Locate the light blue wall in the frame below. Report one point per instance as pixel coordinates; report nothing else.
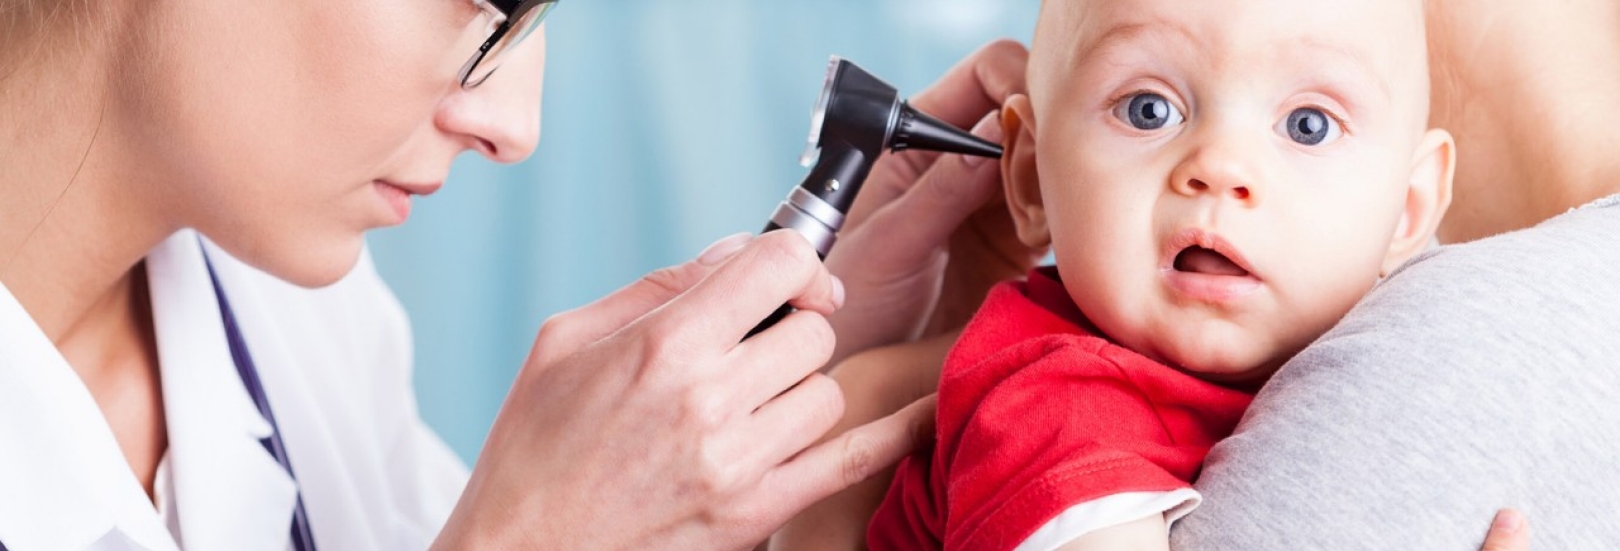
(667, 124)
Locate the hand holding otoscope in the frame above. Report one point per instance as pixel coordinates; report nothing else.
(855, 119)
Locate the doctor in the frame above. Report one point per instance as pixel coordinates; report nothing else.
(195, 352)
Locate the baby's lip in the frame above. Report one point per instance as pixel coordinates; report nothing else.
(1198, 237)
(1214, 287)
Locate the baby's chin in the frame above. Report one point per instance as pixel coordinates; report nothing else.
(1223, 358)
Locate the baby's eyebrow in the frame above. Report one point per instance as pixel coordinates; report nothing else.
(1303, 48)
(1316, 50)
(1127, 33)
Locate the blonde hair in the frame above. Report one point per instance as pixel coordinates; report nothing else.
(26, 26)
(23, 16)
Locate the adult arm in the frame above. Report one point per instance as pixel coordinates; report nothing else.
(1508, 533)
(1480, 375)
(875, 383)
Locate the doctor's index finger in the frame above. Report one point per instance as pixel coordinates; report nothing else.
(978, 84)
(844, 460)
(775, 268)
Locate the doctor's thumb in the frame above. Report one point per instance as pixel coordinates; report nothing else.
(568, 331)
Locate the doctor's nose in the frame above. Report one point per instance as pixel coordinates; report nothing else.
(500, 118)
(1222, 168)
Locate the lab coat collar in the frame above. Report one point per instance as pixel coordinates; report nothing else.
(230, 493)
(64, 483)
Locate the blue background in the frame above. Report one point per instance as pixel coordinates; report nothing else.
(667, 125)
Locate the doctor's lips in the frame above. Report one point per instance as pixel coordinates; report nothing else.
(1205, 267)
(398, 195)
(423, 189)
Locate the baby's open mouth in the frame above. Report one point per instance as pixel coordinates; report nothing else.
(1200, 260)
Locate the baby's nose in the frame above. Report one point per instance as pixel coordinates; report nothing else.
(1240, 192)
(1219, 170)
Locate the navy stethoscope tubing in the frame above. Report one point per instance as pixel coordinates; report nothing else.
(302, 539)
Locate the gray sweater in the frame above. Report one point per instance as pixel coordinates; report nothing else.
(1479, 376)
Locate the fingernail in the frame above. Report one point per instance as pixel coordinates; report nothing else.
(720, 250)
(1508, 522)
(988, 128)
(837, 292)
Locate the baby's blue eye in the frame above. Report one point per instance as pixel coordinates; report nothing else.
(1148, 111)
(1310, 126)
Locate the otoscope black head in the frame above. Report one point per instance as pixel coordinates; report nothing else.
(857, 109)
(857, 117)
(861, 110)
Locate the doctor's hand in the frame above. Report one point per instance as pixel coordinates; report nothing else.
(930, 232)
(644, 420)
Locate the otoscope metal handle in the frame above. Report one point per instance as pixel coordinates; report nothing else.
(814, 219)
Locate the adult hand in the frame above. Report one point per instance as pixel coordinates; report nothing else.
(921, 212)
(645, 421)
(1509, 532)
(875, 382)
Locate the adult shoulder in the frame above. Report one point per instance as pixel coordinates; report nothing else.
(1477, 377)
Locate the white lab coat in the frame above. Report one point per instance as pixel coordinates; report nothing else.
(336, 365)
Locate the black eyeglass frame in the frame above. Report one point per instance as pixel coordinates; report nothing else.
(513, 10)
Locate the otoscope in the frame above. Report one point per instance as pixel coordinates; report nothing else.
(856, 117)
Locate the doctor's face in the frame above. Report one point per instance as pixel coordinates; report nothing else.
(284, 130)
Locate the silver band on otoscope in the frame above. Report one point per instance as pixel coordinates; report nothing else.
(812, 217)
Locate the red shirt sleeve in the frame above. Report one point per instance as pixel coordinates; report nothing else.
(1055, 422)
(911, 516)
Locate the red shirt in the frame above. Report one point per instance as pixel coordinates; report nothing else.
(1038, 414)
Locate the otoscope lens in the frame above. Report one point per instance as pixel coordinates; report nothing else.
(818, 116)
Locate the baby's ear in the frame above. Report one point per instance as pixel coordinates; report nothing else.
(1018, 174)
(1428, 194)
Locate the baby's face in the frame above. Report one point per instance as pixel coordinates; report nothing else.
(1222, 180)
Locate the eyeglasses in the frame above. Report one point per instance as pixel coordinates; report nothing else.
(511, 22)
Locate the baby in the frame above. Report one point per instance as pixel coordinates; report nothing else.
(1219, 181)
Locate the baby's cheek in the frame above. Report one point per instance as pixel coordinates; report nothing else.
(1124, 305)
(1320, 300)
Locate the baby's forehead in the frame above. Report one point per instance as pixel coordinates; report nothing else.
(1378, 41)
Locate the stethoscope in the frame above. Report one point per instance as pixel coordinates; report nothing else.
(302, 539)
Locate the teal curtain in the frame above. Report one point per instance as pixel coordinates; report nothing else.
(667, 125)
